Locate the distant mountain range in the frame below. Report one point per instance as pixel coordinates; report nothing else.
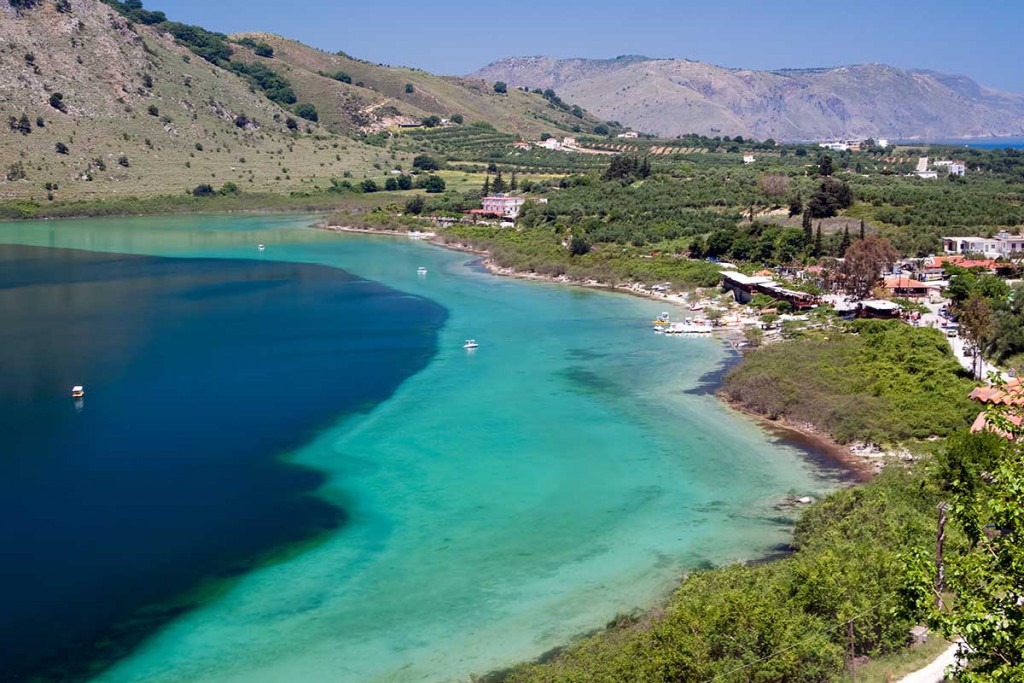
(672, 97)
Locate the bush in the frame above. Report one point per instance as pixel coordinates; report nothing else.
(261, 77)
(307, 111)
(409, 88)
(153, 110)
(433, 184)
(123, 160)
(57, 101)
(203, 190)
(341, 76)
(426, 163)
(500, 87)
(260, 48)
(368, 185)
(61, 148)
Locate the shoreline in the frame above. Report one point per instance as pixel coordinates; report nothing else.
(860, 468)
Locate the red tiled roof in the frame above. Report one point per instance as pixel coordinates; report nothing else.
(980, 424)
(1011, 393)
(979, 263)
(901, 282)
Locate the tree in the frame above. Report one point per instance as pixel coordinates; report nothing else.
(844, 244)
(817, 250)
(415, 205)
(500, 87)
(498, 186)
(307, 111)
(805, 223)
(341, 77)
(404, 182)
(825, 166)
(426, 163)
(291, 123)
(829, 198)
(984, 484)
(57, 101)
(61, 148)
(978, 327)
(153, 110)
(433, 184)
(409, 88)
(432, 121)
(391, 184)
(578, 245)
(796, 205)
(368, 185)
(601, 129)
(865, 260)
(458, 118)
(862, 228)
(486, 191)
(513, 184)
(203, 190)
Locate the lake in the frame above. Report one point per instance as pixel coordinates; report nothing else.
(286, 467)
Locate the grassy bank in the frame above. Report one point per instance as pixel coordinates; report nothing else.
(882, 382)
(188, 203)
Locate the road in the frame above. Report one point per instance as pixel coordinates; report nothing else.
(936, 671)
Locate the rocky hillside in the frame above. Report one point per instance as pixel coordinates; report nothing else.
(94, 105)
(355, 96)
(672, 97)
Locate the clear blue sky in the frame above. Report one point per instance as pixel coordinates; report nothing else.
(978, 39)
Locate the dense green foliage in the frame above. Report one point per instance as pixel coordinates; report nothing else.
(275, 86)
(982, 478)
(887, 383)
(783, 621)
(260, 48)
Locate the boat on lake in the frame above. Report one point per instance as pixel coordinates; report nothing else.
(260, 247)
(77, 391)
(470, 344)
(421, 270)
(689, 327)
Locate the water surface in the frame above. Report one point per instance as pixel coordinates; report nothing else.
(499, 501)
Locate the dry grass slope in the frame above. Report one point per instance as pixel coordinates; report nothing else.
(141, 115)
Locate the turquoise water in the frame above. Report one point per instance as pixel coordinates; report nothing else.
(500, 501)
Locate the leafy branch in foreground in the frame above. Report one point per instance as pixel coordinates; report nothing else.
(976, 592)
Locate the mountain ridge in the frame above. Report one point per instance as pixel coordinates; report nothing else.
(677, 96)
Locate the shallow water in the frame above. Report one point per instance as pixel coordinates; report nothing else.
(500, 501)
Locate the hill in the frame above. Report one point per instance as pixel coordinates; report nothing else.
(673, 97)
(95, 105)
(354, 96)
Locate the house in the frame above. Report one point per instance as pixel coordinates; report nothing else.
(882, 142)
(1010, 394)
(834, 146)
(1003, 245)
(628, 135)
(922, 170)
(878, 308)
(748, 158)
(550, 143)
(903, 286)
(519, 144)
(505, 206)
(934, 267)
(744, 287)
(568, 142)
(957, 168)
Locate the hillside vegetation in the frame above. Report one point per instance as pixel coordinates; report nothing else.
(95, 105)
(355, 96)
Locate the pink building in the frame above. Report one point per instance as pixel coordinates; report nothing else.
(505, 205)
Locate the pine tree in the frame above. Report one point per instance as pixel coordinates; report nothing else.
(862, 228)
(845, 244)
(499, 183)
(806, 224)
(817, 242)
(513, 184)
(487, 185)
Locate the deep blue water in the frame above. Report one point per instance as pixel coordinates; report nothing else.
(199, 374)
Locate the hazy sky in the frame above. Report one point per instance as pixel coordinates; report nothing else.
(979, 39)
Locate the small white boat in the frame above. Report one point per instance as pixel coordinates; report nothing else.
(260, 247)
(689, 328)
(77, 391)
(470, 344)
(421, 270)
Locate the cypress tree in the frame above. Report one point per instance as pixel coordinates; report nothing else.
(499, 183)
(862, 228)
(513, 184)
(817, 241)
(845, 244)
(806, 224)
(487, 185)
